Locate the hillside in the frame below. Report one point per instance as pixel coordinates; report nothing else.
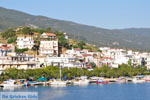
(124, 38)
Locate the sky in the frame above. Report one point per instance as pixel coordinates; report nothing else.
(110, 14)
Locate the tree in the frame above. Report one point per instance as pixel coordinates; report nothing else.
(48, 30)
(81, 44)
(12, 40)
(129, 62)
(92, 64)
(8, 34)
(12, 72)
(36, 48)
(26, 30)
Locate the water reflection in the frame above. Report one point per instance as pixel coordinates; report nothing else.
(58, 86)
(8, 88)
(52, 94)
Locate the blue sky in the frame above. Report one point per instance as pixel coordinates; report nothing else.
(101, 13)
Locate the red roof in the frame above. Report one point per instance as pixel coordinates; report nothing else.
(77, 49)
(5, 48)
(85, 55)
(50, 34)
(105, 58)
(89, 50)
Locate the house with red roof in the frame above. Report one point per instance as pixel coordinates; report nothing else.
(49, 44)
(50, 36)
(5, 49)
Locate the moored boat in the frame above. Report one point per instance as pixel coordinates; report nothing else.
(81, 81)
(58, 82)
(102, 82)
(147, 78)
(22, 82)
(121, 80)
(10, 83)
(138, 79)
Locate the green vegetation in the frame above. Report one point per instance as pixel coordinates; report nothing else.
(53, 72)
(11, 35)
(48, 30)
(8, 34)
(21, 50)
(62, 40)
(81, 44)
(12, 39)
(92, 64)
(25, 30)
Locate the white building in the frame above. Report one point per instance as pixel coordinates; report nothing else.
(49, 44)
(62, 61)
(25, 42)
(66, 36)
(17, 61)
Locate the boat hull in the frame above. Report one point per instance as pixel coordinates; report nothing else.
(102, 82)
(138, 81)
(58, 83)
(81, 82)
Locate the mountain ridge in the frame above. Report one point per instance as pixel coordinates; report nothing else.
(122, 38)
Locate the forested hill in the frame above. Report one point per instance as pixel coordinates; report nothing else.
(137, 38)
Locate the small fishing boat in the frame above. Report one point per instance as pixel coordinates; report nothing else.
(93, 79)
(22, 82)
(102, 82)
(58, 82)
(121, 80)
(147, 78)
(81, 81)
(138, 79)
(10, 83)
(32, 83)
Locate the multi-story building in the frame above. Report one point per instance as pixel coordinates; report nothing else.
(25, 42)
(49, 44)
(17, 61)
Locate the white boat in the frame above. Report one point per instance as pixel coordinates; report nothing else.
(147, 78)
(22, 82)
(137, 80)
(10, 83)
(58, 82)
(82, 81)
(121, 80)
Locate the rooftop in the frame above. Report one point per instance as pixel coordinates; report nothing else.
(50, 34)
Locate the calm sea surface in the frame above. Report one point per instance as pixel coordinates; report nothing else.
(128, 91)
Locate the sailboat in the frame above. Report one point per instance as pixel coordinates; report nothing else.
(58, 82)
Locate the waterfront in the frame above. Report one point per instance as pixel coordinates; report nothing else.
(127, 91)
